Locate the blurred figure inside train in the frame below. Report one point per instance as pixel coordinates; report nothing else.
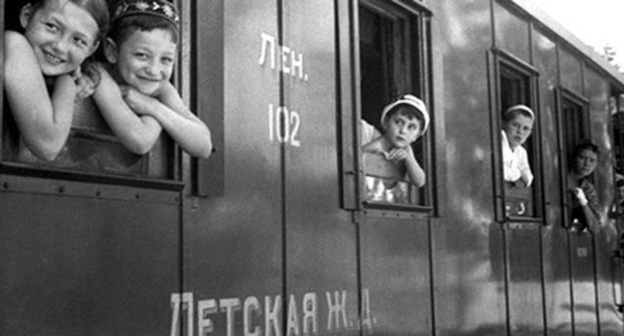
(584, 197)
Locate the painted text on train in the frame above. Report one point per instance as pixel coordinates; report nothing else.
(281, 58)
(284, 125)
(263, 317)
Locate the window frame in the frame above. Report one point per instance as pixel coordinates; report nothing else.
(564, 95)
(419, 18)
(169, 180)
(500, 62)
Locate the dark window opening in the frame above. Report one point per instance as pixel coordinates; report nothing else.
(617, 110)
(391, 65)
(574, 112)
(575, 126)
(91, 147)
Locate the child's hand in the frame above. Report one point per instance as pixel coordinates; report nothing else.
(396, 155)
(163, 91)
(86, 83)
(580, 196)
(520, 183)
(137, 101)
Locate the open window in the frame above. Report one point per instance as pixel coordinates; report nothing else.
(393, 46)
(575, 123)
(617, 123)
(516, 84)
(92, 151)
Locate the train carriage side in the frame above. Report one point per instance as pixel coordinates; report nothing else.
(529, 273)
(281, 249)
(468, 255)
(277, 233)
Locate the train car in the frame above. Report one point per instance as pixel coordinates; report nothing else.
(275, 234)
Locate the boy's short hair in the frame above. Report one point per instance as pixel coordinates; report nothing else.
(517, 110)
(416, 105)
(144, 15)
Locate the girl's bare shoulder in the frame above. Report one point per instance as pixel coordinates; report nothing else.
(17, 50)
(13, 39)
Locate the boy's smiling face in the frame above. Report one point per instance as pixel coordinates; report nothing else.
(145, 60)
(401, 128)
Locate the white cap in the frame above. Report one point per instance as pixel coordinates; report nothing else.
(520, 108)
(410, 100)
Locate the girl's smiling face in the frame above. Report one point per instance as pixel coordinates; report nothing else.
(61, 33)
(145, 59)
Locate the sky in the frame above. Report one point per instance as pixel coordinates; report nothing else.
(596, 22)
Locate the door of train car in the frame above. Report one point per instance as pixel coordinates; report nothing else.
(389, 46)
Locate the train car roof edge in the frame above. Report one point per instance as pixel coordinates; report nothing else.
(555, 27)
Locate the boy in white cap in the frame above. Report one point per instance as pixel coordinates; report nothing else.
(389, 157)
(517, 126)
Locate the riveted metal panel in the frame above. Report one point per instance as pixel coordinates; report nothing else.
(524, 278)
(87, 265)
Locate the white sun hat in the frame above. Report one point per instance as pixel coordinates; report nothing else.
(520, 107)
(412, 101)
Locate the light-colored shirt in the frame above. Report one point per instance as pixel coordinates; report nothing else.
(368, 131)
(515, 163)
(377, 190)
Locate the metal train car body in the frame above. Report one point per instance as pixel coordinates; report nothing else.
(273, 234)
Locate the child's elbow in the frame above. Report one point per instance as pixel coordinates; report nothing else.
(46, 154)
(420, 182)
(139, 148)
(46, 150)
(205, 151)
(140, 143)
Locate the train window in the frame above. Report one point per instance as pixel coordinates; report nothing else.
(518, 119)
(574, 112)
(617, 108)
(91, 148)
(392, 66)
(575, 118)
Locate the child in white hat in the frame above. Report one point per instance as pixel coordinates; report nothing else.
(517, 126)
(389, 158)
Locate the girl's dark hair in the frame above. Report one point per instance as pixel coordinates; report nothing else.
(585, 145)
